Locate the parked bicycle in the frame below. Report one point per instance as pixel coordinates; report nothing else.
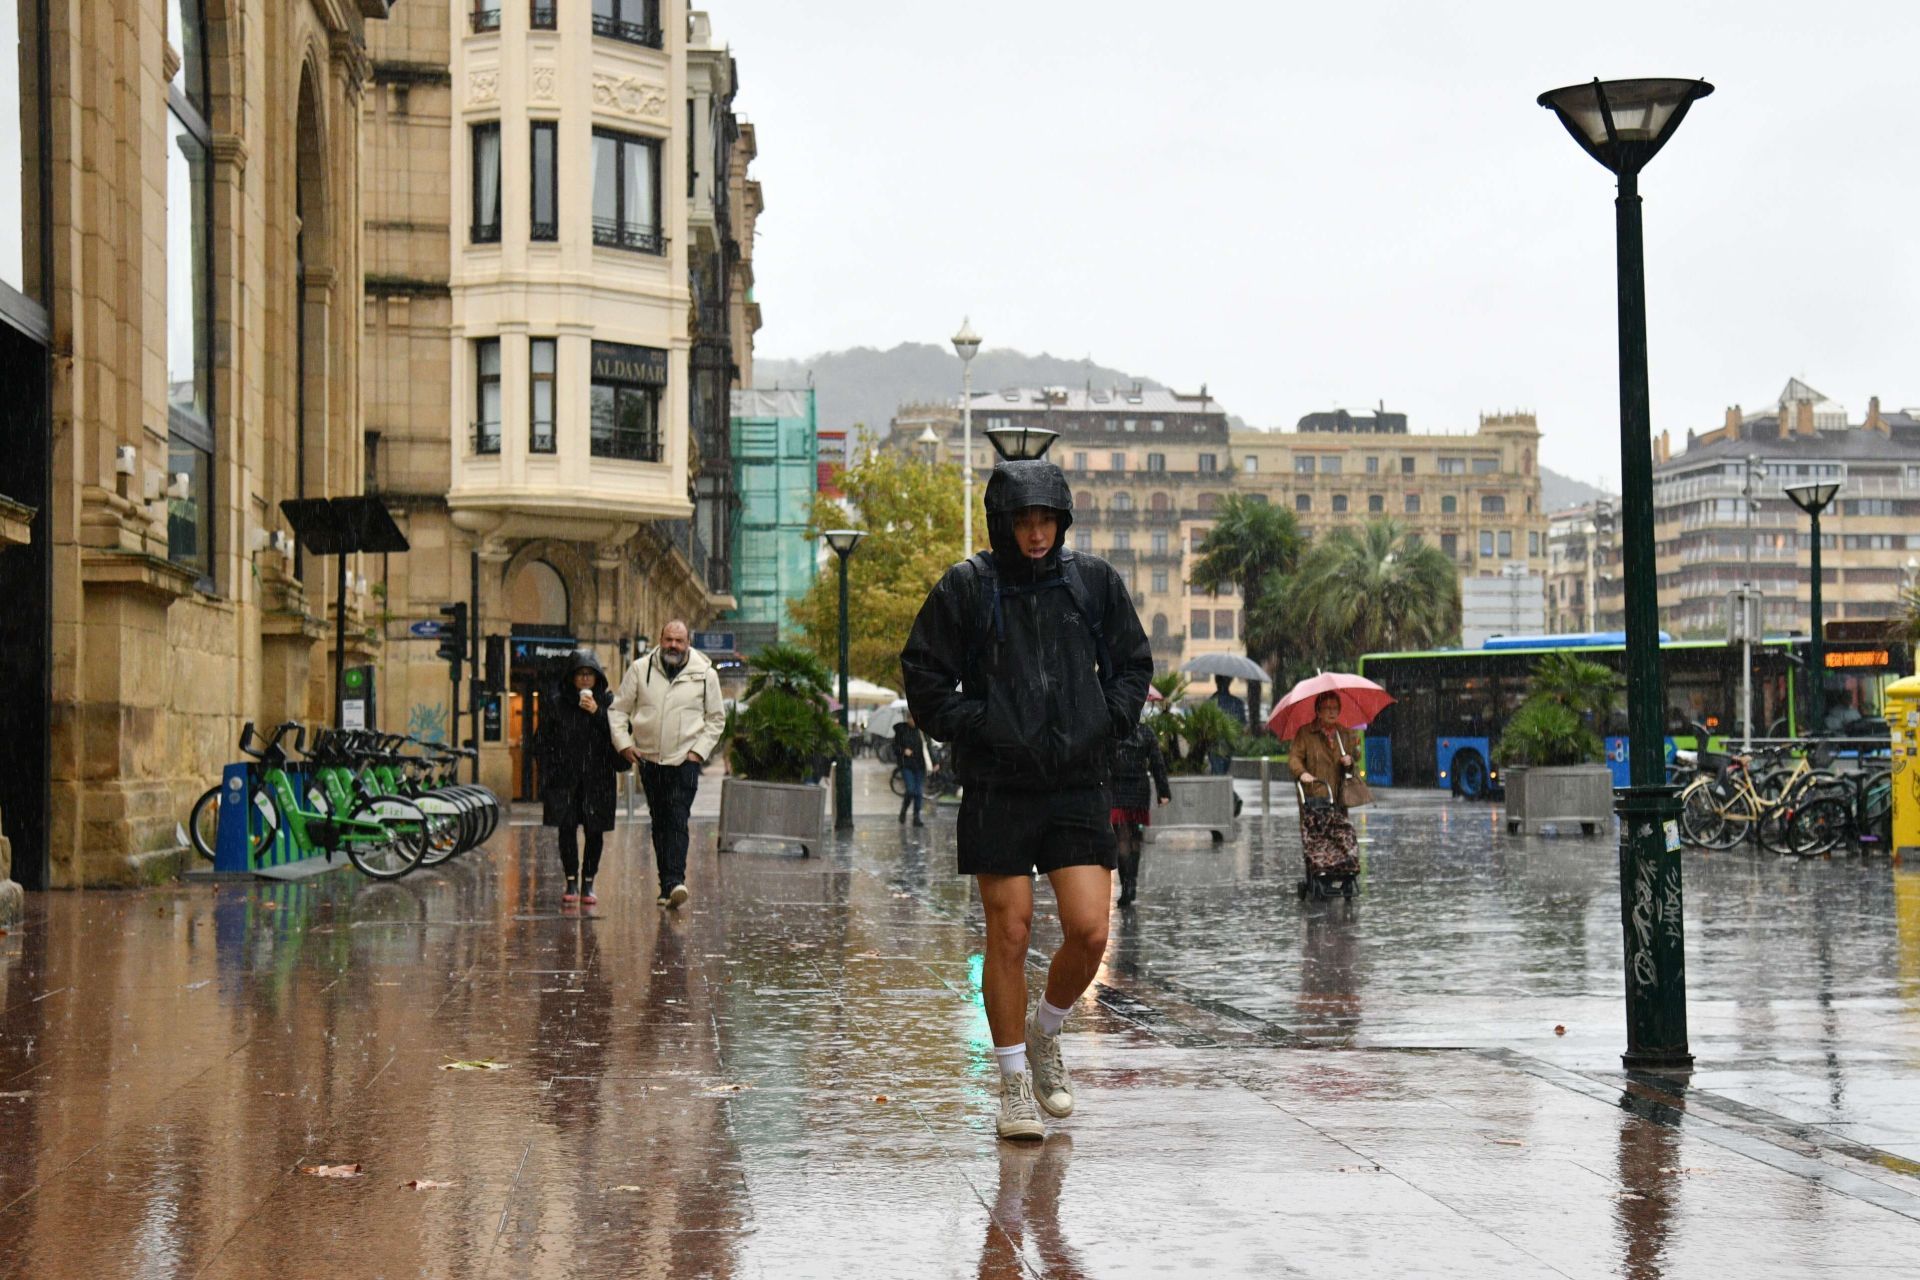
(1860, 820)
(1735, 798)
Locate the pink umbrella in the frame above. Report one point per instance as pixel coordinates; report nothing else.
(1360, 701)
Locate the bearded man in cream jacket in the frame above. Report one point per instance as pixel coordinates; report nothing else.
(667, 718)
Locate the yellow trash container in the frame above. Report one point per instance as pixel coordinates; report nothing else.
(1903, 715)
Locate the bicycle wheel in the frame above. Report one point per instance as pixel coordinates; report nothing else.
(401, 843)
(1700, 821)
(1820, 826)
(898, 783)
(203, 826)
(1736, 815)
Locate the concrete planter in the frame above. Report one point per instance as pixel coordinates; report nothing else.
(772, 811)
(1198, 804)
(1558, 796)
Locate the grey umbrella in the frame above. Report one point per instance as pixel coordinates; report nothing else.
(1234, 665)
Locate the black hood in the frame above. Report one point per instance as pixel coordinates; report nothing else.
(586, 658)
(1012, 488)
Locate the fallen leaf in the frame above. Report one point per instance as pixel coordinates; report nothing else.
(880, 1097)
(424, 1184)
(475, 1064)
(1560, 1031)
(331, 1170)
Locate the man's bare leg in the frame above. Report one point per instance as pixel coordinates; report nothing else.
(1085, 896)
(1008, 901)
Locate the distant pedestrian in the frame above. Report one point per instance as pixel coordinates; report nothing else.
(574, 745)
(1137, 761)
(1236, 709)
(667, 718)
(910, 746)
(1029, 661)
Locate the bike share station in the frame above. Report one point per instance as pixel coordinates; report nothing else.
(325, 527)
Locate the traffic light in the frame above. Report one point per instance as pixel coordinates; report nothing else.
(453, 636)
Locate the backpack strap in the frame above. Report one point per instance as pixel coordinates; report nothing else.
(1096, 617)
(993, 626)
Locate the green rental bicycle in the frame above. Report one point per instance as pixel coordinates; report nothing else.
(385, 836)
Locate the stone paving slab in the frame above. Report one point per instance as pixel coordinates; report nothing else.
(791, 1077)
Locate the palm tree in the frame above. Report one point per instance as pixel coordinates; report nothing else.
(1252, 546)
(1370, 589)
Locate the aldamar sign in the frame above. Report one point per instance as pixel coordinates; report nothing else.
(623, 362)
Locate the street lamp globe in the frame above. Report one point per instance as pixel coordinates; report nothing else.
(928, 436)
(843, 541)
(1624, 123)
(1812, 498)
(966, 343)
(1020, 444)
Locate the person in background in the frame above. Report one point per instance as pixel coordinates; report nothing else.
(1236, 709)
(667, 718)
(577, 765)
(910, 745)
(1136, 762)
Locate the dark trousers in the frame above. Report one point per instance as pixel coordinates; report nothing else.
(670, 789)
(916, 783)
(570, 856)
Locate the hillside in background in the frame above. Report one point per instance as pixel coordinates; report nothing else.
(867, 385)
(1558, 492)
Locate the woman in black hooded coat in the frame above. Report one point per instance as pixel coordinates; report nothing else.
(1137, 761)
(577, 768)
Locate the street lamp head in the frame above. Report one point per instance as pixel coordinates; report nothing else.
(966, 343)
(1021, 444)
(1812, 498)
(927, 436)
(1624, 123)
(843, 541)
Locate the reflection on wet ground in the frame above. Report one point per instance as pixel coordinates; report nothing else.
(790, 1077)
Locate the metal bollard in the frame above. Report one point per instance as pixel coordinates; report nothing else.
(1266, 787)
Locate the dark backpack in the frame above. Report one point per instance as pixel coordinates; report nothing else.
(993, 624)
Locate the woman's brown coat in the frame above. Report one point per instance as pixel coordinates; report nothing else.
(1313, 753)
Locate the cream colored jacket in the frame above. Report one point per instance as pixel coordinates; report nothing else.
(668, 717)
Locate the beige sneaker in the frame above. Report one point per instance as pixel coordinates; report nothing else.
(1052, 1086)
(1019, 1118)
(677, 896)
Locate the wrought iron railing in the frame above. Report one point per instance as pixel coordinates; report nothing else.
(543, 16)
(544, 231)
(486, 437)
(614, 234)
(626, 444)
(485, 20)
(541, 438)
(485, 233)
(642, 33)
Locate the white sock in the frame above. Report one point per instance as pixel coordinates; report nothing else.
(1048, 1019)
(1013, 1059)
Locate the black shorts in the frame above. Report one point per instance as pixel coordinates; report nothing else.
(1007, 832)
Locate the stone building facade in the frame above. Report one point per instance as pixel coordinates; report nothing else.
(181, 265)
(558, 302)
(1722, 517)
(1584, 588)
(1474, 495)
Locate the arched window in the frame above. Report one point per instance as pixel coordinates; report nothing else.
(1159, 626)
(1303, 502)
(1160, 502)
(538, 595)
(1449, 505)
(1339, 503)
(1123, 502)
(189, 261)
(1209, 501)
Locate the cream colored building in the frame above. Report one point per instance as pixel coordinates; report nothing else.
(1584, 590)
(547, 229)
(1475, 495)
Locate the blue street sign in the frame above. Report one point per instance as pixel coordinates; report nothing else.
(426, 630)
(713, 641)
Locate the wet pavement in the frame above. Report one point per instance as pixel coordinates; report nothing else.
(791, 1077)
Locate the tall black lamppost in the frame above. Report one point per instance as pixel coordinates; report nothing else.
(843, 541)
(1623, 124)
(1813, 499)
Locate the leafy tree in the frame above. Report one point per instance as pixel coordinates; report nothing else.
(1368, 589)
(911, 511)
(1252, 546)
(786, 727)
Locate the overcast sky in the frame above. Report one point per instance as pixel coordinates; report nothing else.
(1310, 206)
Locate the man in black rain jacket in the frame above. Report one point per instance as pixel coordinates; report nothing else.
(1030, 662)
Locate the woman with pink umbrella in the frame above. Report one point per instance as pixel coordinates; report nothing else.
(1321, 714)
